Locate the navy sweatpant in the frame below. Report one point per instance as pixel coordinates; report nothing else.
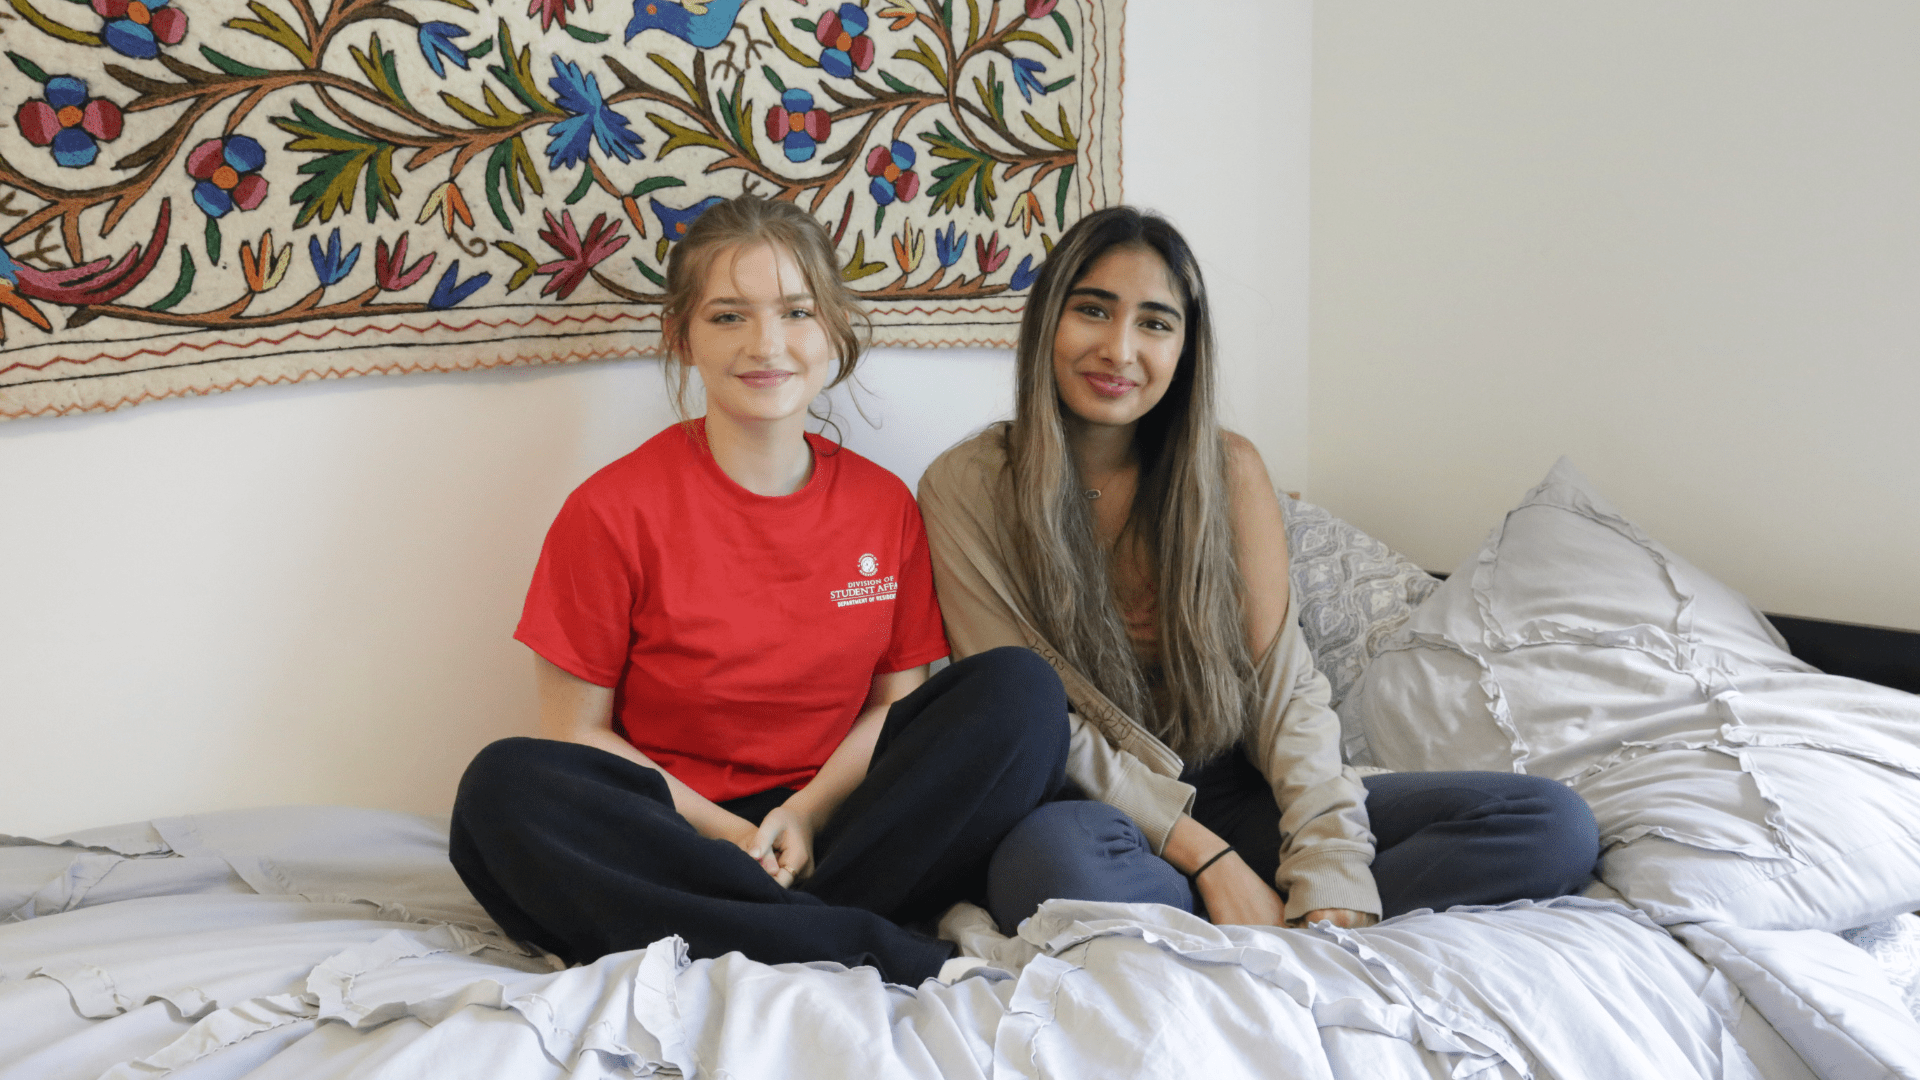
(1440, 839)
(580, 851)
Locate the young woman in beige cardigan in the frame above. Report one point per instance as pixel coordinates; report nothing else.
(1117, 530)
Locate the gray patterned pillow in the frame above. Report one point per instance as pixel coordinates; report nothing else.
(1896, 944)
(1352, 591)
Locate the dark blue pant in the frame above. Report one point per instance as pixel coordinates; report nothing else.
(580, 851)
(1441, 839)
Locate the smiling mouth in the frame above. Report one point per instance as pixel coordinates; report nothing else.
(763, 379)
(1109, 386)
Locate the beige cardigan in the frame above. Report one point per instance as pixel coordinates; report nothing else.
(1325, 846)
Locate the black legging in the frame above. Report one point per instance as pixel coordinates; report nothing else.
(580, 851)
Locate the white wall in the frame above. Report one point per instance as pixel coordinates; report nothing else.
(305, 594)
(1680, 242)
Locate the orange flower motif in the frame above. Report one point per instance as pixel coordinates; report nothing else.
(909, 248)
(21, 306)
(266, 269)
(447, 201)
(901, 14)
(1026, 211)
(632, 206)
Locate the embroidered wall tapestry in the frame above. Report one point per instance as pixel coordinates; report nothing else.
(197, 195)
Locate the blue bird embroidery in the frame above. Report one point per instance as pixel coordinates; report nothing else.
(700, 24)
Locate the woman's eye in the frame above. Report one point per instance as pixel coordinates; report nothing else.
(800, 313)
(727, 317)
(1092, 311)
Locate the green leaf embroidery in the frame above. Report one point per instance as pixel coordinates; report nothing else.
(528, 264)
(185, 284)
(922, 54)
(653, 184)
(27, 67)
(679, 135)
(380, 68)
(858, 267)
(967, 166)
(344, 156)
(587, 36)
(509, 162)
(269, 24)
(213, 241)
(231, 66)
(779, 39)
(580, 190)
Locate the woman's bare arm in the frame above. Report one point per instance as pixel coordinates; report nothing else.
(575, 710)
(1260, 550)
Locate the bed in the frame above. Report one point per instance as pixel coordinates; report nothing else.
(1751, 918)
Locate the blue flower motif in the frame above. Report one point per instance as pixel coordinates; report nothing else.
(674, 223)
(1026, 76)
(946, 248)
(848, 48)
(570, 141)
(69, 122)
(436, 41)
(451, 290)
(139, 29)
(796, 125)
(228, 171)
(329, 264)
(1023, 274)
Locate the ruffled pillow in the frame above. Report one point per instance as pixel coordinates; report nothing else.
(1731, 781)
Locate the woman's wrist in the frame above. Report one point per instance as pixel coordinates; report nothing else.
(1204, 866)
(1189, 844)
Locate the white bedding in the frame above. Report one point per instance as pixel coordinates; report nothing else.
(320, 942)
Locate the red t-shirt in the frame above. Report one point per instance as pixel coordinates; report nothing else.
(740, 632)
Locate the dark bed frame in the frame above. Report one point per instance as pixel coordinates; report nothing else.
(1874, 653)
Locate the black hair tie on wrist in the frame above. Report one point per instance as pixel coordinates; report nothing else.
(1224, 852)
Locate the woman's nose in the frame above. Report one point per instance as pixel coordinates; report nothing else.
(768, 340)
(1117, 344)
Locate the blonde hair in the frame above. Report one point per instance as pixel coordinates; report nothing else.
(1179, 519)
(746, 221)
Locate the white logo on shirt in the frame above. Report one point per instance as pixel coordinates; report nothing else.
(870, 589)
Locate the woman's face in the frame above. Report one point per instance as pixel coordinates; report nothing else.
(756, 337)
(1119, 338)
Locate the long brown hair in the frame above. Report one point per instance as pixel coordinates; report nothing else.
(747, 220)
(1179, 519)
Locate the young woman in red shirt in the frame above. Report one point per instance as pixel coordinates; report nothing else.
(733, 626)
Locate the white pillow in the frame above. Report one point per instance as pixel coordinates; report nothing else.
(1731, 781)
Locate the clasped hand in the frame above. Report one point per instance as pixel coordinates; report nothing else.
(782, 845)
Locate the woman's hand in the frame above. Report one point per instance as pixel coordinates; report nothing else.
(1338, 916)
(783, 845)
(1235, 895)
